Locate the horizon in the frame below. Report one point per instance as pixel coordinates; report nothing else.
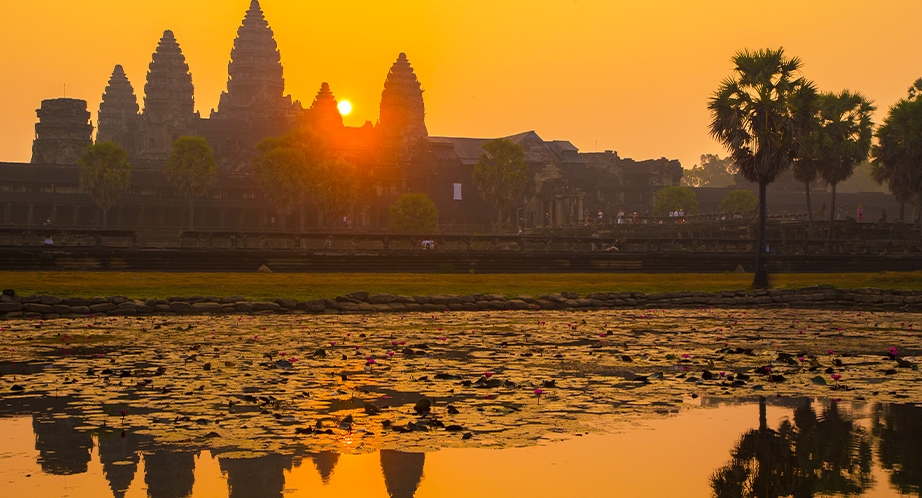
(599, 74)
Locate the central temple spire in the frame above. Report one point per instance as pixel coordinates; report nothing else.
(255, 84)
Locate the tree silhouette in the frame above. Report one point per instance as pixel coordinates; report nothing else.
(840, 140)
(739, 201)
(501, 174)
(282, 176)
(898, 153)
(899, 432)
(414, 214)
(759, 115)
(674, 199)
(104, 174)
(192, 170)
(829, 454)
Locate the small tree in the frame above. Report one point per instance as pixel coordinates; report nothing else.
(501, 174)
(675, 199)
(192, 170)
(713, 171)
(739, 201)
(105, 175)
(282, 176)
(414, 214)
(332, 187)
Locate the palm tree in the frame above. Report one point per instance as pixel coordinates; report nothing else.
(760, 114)
(501, 174)
(105, 175)
(806, 170)
(841, 140)
(898, 153)
(192, 169)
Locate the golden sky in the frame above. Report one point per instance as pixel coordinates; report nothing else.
(632, 76)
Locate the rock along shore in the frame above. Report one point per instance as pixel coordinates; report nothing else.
(51, 307)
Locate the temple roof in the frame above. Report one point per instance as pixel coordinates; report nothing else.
(468, 150)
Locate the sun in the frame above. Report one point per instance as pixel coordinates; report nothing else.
(345, 107)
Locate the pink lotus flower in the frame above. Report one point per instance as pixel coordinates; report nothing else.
(390, 353)
(539, 391)
(488, 374)
(686, 355)
(829, 351)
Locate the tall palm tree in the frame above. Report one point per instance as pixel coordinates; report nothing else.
(760, 114)
(841, 140)
(898, 153)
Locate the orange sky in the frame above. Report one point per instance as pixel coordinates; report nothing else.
(633, 76)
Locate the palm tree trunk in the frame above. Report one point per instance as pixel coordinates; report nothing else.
(105, 219)
(760, 281)
(902, 211)
(832, 221)
(813, 232)
(499, 222)
(191, 213)
(920, 212)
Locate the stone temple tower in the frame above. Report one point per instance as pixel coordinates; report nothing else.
(118, 117)
(62, 133)
(255, 84)
(324, 114)
(169, 103)
(403, 113)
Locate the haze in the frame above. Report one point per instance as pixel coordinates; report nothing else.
(606, 74)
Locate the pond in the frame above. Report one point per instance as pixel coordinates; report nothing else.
(612, 403)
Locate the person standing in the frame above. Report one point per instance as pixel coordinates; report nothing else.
(860, 213)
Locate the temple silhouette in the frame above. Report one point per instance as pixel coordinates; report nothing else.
(393, 156)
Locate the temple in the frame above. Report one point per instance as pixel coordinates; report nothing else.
(393, 156)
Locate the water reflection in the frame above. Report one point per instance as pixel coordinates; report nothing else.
(169, 474)
(260, 477)
(402, 472)
(796, 447)
(825, 454)
(899, 432)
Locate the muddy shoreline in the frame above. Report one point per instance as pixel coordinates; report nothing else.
(14, 307)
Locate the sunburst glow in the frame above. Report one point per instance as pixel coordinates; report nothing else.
(345, 107)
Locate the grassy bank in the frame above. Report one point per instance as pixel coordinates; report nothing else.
(303, 286)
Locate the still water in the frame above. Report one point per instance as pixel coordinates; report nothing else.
(806, 447)
(622, 403)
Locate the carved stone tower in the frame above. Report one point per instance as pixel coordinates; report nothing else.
(118, 113)
(403, 113)
(324, 114)
(169, 103)
(255, 84)
(62, 133)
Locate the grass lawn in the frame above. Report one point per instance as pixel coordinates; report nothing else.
(306, 286)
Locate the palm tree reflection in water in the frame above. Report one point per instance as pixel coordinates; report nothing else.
(825, 454)
(899, 432)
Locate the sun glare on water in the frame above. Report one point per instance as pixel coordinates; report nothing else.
(345, 107)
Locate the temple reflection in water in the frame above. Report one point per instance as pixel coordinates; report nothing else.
(818, 448)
